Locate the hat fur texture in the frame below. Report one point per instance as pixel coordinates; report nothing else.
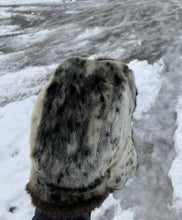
(81, 136)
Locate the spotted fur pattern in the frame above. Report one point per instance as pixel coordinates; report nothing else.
(81, 136)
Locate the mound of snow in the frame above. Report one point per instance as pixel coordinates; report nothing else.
(148, 82)
(175, 172)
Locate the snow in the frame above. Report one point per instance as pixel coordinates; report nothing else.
(28, 82)
(148, 84)
(8, 29)
(113, 206)
(4, 14)
(175, 172)
(115, 54)
(27, 2)
(8, 59)
(14, 157)
(15, 127)
(27, 40)
(90, 32)
(19, 2)
(37, 34)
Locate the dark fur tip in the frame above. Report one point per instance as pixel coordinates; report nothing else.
(104, 58)
(125, 68)
(66, 209)
(136, 92)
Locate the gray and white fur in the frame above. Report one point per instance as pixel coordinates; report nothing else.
(81, 136)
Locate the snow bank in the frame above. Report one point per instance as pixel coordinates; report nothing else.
(148, 82)
(175, 172)
(26, 2)
(14, 160)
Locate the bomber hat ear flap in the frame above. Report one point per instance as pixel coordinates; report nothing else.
(66, 210)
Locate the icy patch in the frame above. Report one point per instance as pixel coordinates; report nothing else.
(24, 83)
(10, 62)
(14, 160)
(32, 38)
(4, 14)
(71, 12)
(27, 2)
(111, 209)
(90, 33)
(115, 54)
(175, 172)
(8, 30)
(27, 7)
(148, 82)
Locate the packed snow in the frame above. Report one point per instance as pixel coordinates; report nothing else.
(114, 210)
(8, 29)
(28, 82)
(29, 2)
(176, 169)
(90, 32)
(15, 163)
(4, 14)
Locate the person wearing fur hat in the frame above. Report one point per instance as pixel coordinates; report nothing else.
(81, 138)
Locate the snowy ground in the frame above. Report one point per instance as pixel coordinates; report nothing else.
(29, 2)
(35, 38)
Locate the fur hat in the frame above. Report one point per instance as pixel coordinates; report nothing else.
(81, 137)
